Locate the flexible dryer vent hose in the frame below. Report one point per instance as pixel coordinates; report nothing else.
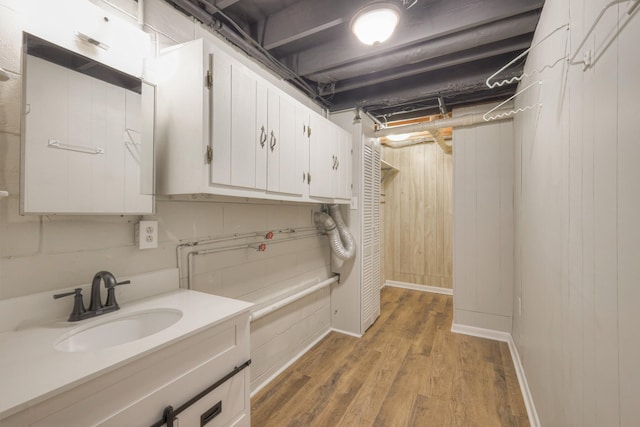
(342, 242)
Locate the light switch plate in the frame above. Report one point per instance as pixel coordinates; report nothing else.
(354, 203)
(147, 234)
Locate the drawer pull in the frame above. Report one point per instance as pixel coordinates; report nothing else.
(170, 414)
(210, 413)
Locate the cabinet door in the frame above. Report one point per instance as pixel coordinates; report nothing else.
(344, 166)
(74, 156)
(262, 134)
(302, 136)
(290, 181)
(138, 154)
(220, 67)
(322, 158)
(273, 140)
(243, 130)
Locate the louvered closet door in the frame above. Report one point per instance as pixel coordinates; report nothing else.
(376, 180)
(369, 288)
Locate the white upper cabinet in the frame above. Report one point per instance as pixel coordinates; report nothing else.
(273, 137)
(300, 175)
(185, 112)
(288, 168)
(247, 155)
(330, 160)
(89, 31)
(322, 157)
(343, 166)
(226, 130)
(87, 137)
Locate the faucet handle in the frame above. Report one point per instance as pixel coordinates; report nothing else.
(78, 305)
(111, 295)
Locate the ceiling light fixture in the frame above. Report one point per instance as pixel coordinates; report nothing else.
(399, 137)
(374, 23)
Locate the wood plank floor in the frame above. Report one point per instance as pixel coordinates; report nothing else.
(407, 370)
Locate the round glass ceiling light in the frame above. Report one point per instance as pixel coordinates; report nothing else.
(375, 23)
(399, 137)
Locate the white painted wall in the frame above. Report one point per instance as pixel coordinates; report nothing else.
(483, 223)
(577, 204)
(39, 253)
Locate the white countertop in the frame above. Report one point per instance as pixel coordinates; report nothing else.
(32, 370)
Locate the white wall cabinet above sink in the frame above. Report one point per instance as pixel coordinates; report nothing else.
(223, 129)
(87, 135)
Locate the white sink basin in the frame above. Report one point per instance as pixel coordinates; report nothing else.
(118, 330)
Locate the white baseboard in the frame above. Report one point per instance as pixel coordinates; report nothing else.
(481, 332)
(524, 385)
(289, 363)
(517, 363)
(416, 287)
(340, 331)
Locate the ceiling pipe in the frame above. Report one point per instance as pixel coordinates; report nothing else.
(409, 142)
(433, 126)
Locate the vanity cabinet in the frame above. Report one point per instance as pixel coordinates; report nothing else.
(226, 130)
(138, 392)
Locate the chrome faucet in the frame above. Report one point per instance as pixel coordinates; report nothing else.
(95, 305)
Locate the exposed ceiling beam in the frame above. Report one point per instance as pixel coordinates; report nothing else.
(306, 18)
(438, 19)
(464, 79)
(419, 108)
(223, 4)
(462, 41)
(512, 45)
(194, 11)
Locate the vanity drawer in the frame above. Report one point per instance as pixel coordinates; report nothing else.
(231, 411)
(225, 406)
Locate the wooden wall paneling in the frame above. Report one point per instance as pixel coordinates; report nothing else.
(505, 215)
(587, 209)
(464, 228)
(627, 216)
(440, 210)
(412, 224)
(467, 267)
(417, 232)
(573, 324)
(430, 214)
(458, 227)
(605, 202)
(448, 221)
(488, 219)
(279, 337)
(580, 349)
(391, 235)
(483, 224)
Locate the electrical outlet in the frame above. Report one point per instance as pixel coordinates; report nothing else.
(147, 234)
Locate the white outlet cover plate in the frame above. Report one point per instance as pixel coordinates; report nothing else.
(147, 234)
